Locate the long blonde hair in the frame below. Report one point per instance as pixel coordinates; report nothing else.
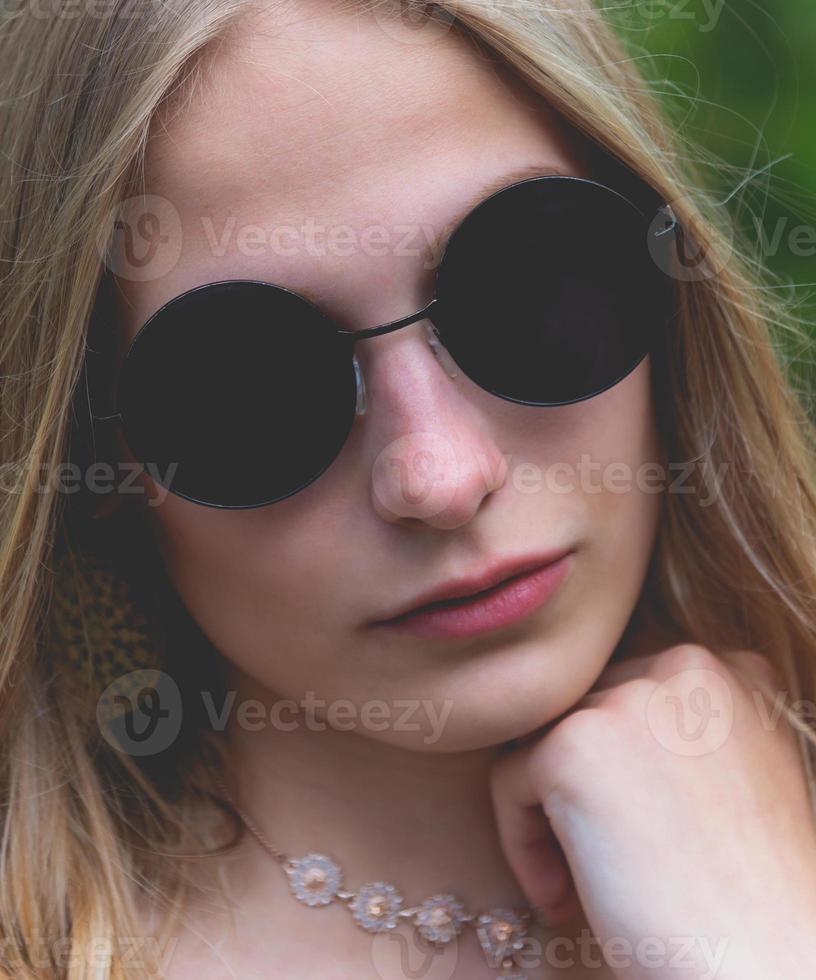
(84, 829)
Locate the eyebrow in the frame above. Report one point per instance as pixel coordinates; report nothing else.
(497, 183)
(430, 251)
(485, 191)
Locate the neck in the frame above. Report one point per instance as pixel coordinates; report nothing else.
(422, 820)
(382, 812)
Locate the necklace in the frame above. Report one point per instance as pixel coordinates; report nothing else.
(316, 880)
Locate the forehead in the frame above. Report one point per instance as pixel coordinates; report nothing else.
(338, 120)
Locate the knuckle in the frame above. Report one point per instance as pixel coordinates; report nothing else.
(687, 656)
(578, 724)
(577, 756)
(631, 693)
(576, 736)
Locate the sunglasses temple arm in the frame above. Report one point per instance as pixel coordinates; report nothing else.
(671, 224)
(112, 420)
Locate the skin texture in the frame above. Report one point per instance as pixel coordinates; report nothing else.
(324, 113)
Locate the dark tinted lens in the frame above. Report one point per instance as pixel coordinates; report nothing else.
(243, 385)
(546, 293)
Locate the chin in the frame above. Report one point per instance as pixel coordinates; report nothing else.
(466, 731)
(497, 702)
(505, 692)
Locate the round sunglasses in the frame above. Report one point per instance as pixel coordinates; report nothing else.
(240, 393)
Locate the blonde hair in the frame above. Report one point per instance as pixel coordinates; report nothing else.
(84, 830)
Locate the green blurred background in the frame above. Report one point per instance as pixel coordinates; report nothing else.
(740, 78)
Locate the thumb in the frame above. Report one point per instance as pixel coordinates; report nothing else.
(530, 846)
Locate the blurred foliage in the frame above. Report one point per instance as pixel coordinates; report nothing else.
(739, 77)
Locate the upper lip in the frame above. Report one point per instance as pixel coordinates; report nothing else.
(495, 574)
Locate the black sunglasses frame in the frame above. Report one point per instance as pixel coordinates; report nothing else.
(642, 198)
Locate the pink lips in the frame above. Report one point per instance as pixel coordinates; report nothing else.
(504, 596)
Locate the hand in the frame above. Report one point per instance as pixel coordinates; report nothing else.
(670, 805)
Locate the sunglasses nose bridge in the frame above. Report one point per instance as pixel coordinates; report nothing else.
(431, 335)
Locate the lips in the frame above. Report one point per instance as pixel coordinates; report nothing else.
(460, 592)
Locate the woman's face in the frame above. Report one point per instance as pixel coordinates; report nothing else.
(335, 118)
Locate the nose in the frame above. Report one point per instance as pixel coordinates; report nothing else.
(434, 459)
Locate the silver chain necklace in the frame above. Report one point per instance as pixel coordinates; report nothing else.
(316, 880)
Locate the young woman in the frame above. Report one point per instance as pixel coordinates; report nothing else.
(408, 522)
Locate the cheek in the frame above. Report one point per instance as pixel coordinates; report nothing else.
(608, 446)
(250, 578)
(598, 466)
(619, 476)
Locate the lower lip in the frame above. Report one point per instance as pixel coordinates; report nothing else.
(504, 605)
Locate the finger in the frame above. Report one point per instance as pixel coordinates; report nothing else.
(531, 848)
